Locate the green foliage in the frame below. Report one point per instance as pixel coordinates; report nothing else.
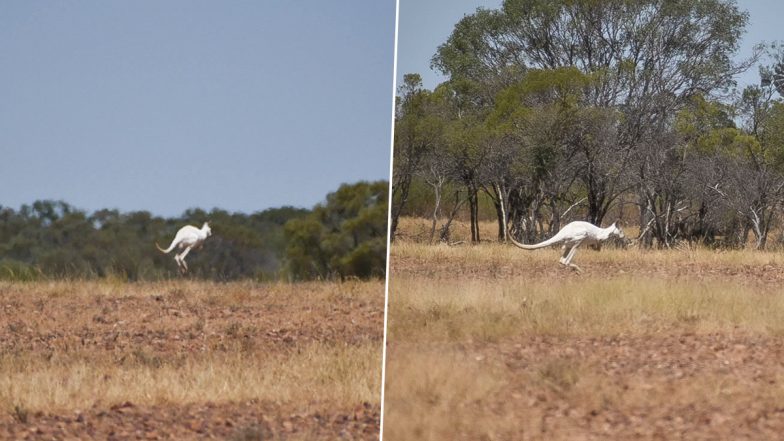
(462, 55)
(708, 129)
(344, 237)
(304, 254)
(15, 271)
(417, 124)
(706, 125)
(562, 87)
(772, 136)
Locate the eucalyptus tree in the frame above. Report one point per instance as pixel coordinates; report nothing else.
(673, 167)
(468, 142)
(478, 70)
(756, 169)
(737, 160)
(773, 75)
(416, 132)
(440, 169)
(464, 140)
(540, 117)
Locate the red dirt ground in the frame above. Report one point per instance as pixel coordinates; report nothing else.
(172, 323)
(240, 421)
(656, 387)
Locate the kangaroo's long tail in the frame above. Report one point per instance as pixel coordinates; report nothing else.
(167, 250)
(535, 246)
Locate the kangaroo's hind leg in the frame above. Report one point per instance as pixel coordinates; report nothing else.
(567, 249)
(182, 259)
(569, 256)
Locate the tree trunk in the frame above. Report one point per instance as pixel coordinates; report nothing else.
(473, 201)
(445, 232)
(555, 217)
(437, 208)
(646, 235)
(500, 208)
(404, 186)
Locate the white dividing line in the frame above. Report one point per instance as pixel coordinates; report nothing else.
(389, 224)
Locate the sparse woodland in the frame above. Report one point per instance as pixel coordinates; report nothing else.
(345, 236)
(554, 111)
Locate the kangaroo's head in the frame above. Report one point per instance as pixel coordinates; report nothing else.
(616, 230)
(206, 228)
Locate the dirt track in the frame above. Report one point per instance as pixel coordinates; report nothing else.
(157, 328)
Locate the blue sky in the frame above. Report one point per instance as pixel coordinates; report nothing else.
(163, 106)
(424, 25)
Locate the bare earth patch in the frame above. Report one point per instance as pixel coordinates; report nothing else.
(190, 360)
(240, 421)
(490, 343)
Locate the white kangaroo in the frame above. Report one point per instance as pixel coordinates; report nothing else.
(572, 236)
(187, 238)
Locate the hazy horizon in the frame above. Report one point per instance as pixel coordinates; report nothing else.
(206, 209)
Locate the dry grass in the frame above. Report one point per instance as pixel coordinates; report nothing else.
(493, 254)
(475, 309)
(491, 342)
(340, 375)
(437, 394)
(73, 345)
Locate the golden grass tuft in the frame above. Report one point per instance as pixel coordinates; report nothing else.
(345, 375)
(459, 309)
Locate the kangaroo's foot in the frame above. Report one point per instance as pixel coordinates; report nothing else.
(572, 267)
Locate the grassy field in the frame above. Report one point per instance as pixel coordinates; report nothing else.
(491, 342)
(190, 360)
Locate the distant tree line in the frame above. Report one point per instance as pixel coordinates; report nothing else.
(344, 236)
(557, 110)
